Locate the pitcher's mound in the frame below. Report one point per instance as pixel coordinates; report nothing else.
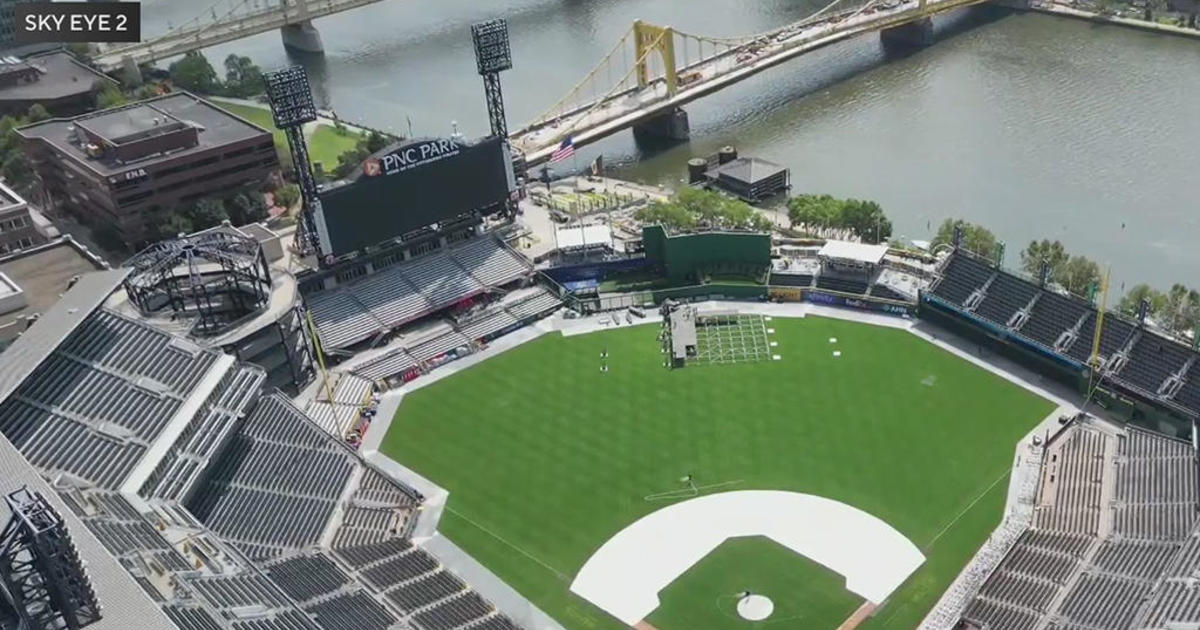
(755, 607)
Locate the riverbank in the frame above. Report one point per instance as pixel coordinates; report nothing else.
(1055, 8)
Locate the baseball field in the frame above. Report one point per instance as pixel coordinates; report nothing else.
(550, 449)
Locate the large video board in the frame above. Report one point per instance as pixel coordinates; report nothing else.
(414, 185)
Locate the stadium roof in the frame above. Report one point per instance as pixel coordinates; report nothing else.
(32, 347)
(861, 252)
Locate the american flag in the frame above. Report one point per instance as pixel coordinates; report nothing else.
(564, 151)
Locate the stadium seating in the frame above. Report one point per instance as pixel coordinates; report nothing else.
(191, 618)
(286, 620)
(1075, 474)
(887, 293)
(1126, 572)
(177, 472)
(420, 593)
(453, 613)
(257, 493)
(535, 304)
(413, 289)
(304, 578)
(960, 277)
(339, 415)
(1152, 361)
(782, 279)
(355, 611)
(1054, 314)
(841, 284)
(94, 406)
(1005, 296)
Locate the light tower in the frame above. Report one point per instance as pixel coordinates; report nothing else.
(493, 56)
(292, 106)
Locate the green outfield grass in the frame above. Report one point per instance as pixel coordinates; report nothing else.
(546, 457)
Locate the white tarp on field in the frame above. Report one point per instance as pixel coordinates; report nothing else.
(624, 576)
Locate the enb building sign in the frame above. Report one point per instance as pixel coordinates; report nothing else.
(71, 22)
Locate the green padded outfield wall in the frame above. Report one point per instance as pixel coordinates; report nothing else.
(680, 256)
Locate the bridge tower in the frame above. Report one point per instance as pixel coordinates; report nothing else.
(650, 40)
(299, 33)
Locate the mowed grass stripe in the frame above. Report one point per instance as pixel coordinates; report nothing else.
(542, 448)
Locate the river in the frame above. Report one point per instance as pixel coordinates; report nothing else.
(1035, 126)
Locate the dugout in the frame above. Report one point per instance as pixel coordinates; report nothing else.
(684, 257)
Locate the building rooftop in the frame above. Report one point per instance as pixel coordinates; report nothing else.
(860, 252)
(748, 169)
(175, 113)
(44, 272)
(9, 198)
(60, 73)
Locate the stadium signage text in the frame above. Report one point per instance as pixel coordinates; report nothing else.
(411, 156)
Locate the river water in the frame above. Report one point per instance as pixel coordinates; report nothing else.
(1035, 126)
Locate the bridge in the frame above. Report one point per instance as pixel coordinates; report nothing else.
(227, 21)
(653, 71)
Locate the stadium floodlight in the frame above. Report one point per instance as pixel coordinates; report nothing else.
(290, 97)
(492, 53)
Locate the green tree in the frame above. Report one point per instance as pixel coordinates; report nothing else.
(287, 195)
(1181, 308)
(1128, 306)
(1077, 273)
(866, 220)
(171, 224)
(242, 77)
(110, 96)
(16, 169)
(207, 213)
(245, 208)
(976, 238)
(349, 161)
(1044, 250)
(193, 72)
(671, 216)
(38, 113)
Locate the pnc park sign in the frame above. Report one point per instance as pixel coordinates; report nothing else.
(411, 156)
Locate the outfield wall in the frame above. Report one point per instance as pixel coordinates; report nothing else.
(682, 255)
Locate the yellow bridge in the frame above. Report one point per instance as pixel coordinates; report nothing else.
(654, 70)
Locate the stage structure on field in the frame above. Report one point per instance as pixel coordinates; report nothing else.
(42, 579)
(690, 337)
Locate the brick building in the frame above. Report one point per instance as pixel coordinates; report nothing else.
(18, 230)
(56, 80)
(127, 166)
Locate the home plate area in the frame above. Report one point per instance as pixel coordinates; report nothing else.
(627, 574)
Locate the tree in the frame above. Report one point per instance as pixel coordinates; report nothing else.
(207, 213)
(976, 238)
(242, 77)
(194, 73)
(245, 208)
(1044, 251)
(1128, 306)
(172, 224)
(38, 113)
(813, 210)
(349, 161)
(287, 195)
(110, 96)
(671, 216)
(1077, 273)
(866, 220)
(16, 169)
(1181, 308)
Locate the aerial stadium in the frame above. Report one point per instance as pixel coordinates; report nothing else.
(410, 417)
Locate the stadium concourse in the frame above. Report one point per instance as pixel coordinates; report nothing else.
(176, 466)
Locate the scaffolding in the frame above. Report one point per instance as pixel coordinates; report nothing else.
(217, 277)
